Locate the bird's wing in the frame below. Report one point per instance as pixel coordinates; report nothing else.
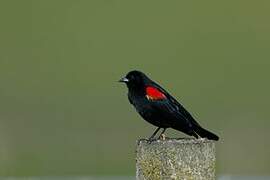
(178, 108)
(171, 114)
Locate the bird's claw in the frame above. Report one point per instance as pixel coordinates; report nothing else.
(162, 137)
(151, 139)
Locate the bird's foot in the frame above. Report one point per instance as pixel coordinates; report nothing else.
(162, 137)
(151, 139)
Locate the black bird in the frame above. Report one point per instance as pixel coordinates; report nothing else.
(159, 108)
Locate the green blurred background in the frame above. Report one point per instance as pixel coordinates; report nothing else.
(62, 112)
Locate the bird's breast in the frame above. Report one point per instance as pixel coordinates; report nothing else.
(141, 103)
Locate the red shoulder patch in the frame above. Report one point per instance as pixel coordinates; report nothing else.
(153, 93)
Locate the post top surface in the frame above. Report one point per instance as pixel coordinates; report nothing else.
(177, 141)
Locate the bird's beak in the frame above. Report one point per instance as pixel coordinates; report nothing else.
(123, 80)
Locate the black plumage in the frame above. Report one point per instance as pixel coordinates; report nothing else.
(159, 108)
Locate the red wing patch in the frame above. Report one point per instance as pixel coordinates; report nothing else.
(153, 93)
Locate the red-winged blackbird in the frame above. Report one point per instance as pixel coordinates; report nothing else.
(159, 108)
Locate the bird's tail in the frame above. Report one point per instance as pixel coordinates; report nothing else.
(205, 134)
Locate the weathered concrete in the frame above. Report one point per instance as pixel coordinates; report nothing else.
(188, 159)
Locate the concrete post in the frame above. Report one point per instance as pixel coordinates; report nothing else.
(187, 159)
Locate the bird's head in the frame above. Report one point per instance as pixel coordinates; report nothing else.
(135, 79)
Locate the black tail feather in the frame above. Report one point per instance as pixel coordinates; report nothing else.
(205, 134)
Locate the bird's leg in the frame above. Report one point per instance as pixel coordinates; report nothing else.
(162, 135)
(153, 135)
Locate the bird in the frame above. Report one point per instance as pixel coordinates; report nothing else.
(159, 108)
